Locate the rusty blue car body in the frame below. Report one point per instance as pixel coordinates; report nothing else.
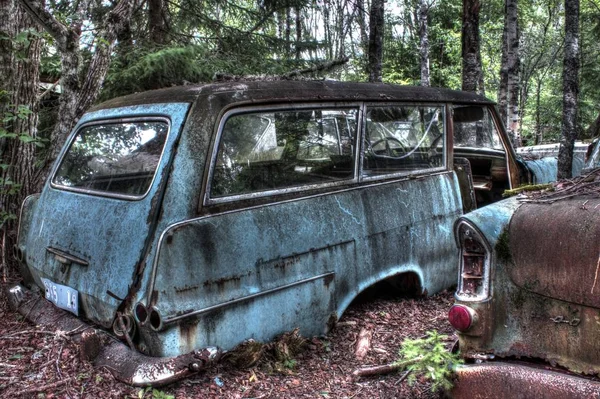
(202, 216)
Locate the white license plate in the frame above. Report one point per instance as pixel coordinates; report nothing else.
(62, 296)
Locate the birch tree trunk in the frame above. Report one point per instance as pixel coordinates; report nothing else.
(508, 93)
(376, 26)
(361, 8)
(472, 74)
(424, 42)
(570, 89)
(19, 82)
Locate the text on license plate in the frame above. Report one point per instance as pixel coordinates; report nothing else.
(62, 296)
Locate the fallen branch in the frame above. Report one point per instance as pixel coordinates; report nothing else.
(384, 369)
(403, 377)
(46, 387)
(363, 343)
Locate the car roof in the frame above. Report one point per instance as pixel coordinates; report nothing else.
(296, 90)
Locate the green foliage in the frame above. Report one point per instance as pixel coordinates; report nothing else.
(401, 44)
(429, 359)
(151, 393)
(173, 66)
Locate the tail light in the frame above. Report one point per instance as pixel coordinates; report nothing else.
(461, 317)
(474, 264)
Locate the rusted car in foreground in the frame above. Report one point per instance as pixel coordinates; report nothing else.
(189, 219)
(527, 305)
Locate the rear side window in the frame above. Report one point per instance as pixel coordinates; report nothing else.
(262, 151)
(114, 158)
(403, 138)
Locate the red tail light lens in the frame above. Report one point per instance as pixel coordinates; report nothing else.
(461, 317)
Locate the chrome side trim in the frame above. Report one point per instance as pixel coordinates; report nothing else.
(68, 257)
(170, 320)
(169, 229)
(487, 267)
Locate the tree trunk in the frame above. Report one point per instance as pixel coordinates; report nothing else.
(472, 74)
(503, 85)
(298, 33)
(570, 89)
(327, 27)
(508, 93)
(288, 31)
(19, 79)
(424, 43)
(376, 26)
(78, 94)
(539, 133)
(362, 24)
(156, 22)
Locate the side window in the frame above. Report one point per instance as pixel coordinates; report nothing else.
(474, 127)
(403, 138)
(263, 151)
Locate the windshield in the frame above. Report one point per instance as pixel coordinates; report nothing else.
(474, 127)
(114, 158)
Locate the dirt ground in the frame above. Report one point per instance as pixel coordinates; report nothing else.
(41, 363)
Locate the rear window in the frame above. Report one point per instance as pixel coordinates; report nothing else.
(115, 158)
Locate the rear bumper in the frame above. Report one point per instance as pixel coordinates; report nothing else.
(506, 380)
(102, 349)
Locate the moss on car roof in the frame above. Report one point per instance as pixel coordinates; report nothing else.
(297, 90)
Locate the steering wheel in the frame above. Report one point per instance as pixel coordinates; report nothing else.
(434, 153)
(386, 140)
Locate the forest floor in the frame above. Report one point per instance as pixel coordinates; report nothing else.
(38, 362)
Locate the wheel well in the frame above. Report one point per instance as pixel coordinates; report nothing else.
(406, 284)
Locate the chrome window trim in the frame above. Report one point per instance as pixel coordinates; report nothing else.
(487, 267)
(208, 200)
(105, 194)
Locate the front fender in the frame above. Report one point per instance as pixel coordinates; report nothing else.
(543, 170)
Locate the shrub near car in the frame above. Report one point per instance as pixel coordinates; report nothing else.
(529, 293)
(198, 217)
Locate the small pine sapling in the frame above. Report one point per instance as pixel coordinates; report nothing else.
(428, 357)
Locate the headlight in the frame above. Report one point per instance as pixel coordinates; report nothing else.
(474, 267)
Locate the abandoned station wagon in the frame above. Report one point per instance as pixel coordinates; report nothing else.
(197, 217)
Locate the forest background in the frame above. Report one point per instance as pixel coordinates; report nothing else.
(539, 59)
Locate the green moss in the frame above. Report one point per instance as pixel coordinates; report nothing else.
(517, 298)
(527, 188)
(503, 247)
